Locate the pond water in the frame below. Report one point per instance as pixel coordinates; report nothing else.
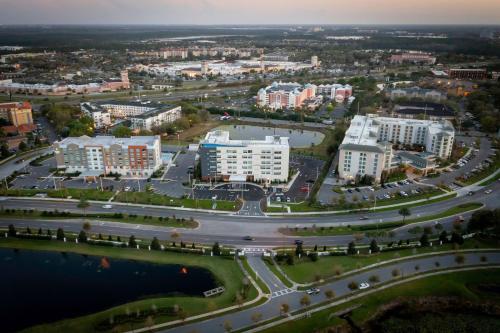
(42, 287)
(298, 138)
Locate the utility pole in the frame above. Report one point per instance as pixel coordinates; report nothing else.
(139, 184)
(55, 184)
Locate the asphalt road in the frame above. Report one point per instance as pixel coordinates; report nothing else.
(271, 308)
(230, 229)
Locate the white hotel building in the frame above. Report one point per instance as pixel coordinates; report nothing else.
(367, 145)
(244, 160)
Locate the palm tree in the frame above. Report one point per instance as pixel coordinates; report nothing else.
(83, 204)
(404, 212)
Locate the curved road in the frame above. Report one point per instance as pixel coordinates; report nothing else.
(271, 308)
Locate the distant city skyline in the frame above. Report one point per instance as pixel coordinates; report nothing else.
(249, 12)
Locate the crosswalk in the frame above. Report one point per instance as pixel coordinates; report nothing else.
(282, 292)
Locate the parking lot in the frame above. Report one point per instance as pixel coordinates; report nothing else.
(308, 169)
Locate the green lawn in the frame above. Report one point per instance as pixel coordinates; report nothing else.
(459, 284)
(86, 194)
(225, 270)
(491, 180)
(272, 268)
(387, 226)
(306, 271)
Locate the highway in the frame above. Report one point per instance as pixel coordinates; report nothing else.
(230, 229)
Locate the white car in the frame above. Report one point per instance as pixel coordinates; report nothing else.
(107, 206)
(312, 291)
(127, 188)
(488, 191)
(364, 285)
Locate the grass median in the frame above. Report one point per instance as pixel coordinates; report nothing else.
(225, 270)
(386, 226)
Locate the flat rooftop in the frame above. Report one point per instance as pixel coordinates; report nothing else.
(221, 138)
(84, 140)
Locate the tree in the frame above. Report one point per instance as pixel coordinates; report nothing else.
(12, 231)
(483, 219)
(424, 240)
(329, 293)
(23, 146)
(122, 132)
(132, 242)
(256, 317)
(228, 327)
(456, 238)
(4, 150)
(155, 244)
(284, 308)
(404, 212)
(83, 204)
(87, 226)
(216, 249)
(60, 234)
(351, 248)
(353, 285)
(374, 247)
(443, 236)
(298, 249)
(40, 232)
(82, 236)
(305, 300)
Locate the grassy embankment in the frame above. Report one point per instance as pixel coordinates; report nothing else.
(305, 270)
(224, 269)
(459, 284)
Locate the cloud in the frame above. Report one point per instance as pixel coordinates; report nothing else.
(248, 11)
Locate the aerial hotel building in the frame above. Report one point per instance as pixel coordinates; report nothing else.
(244, 160)
(367, 145)
(285, 95)
(135, 157)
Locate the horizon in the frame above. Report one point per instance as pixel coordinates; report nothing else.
(239, 12)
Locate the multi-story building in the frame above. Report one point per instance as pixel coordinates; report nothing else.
(143, 115)
(413, 57)
(285, 95)
(174, 53)
(244, 160)
(335, 91)
(423, 110)
(138, 156)
(17, 113)
(367, 145)
(153, 118)
(100, 116)
(468, 73)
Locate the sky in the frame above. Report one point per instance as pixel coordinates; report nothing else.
(249, 12)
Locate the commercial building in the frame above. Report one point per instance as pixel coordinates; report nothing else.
(17, 113)
(367, 145)
(413, 57)
(285, 95)
(416, 92)
(137, 157)
(143, 115)
(468, 74)
(244, 160)
(423, 110)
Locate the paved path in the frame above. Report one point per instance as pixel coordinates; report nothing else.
(255, 261)
(271, 309)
